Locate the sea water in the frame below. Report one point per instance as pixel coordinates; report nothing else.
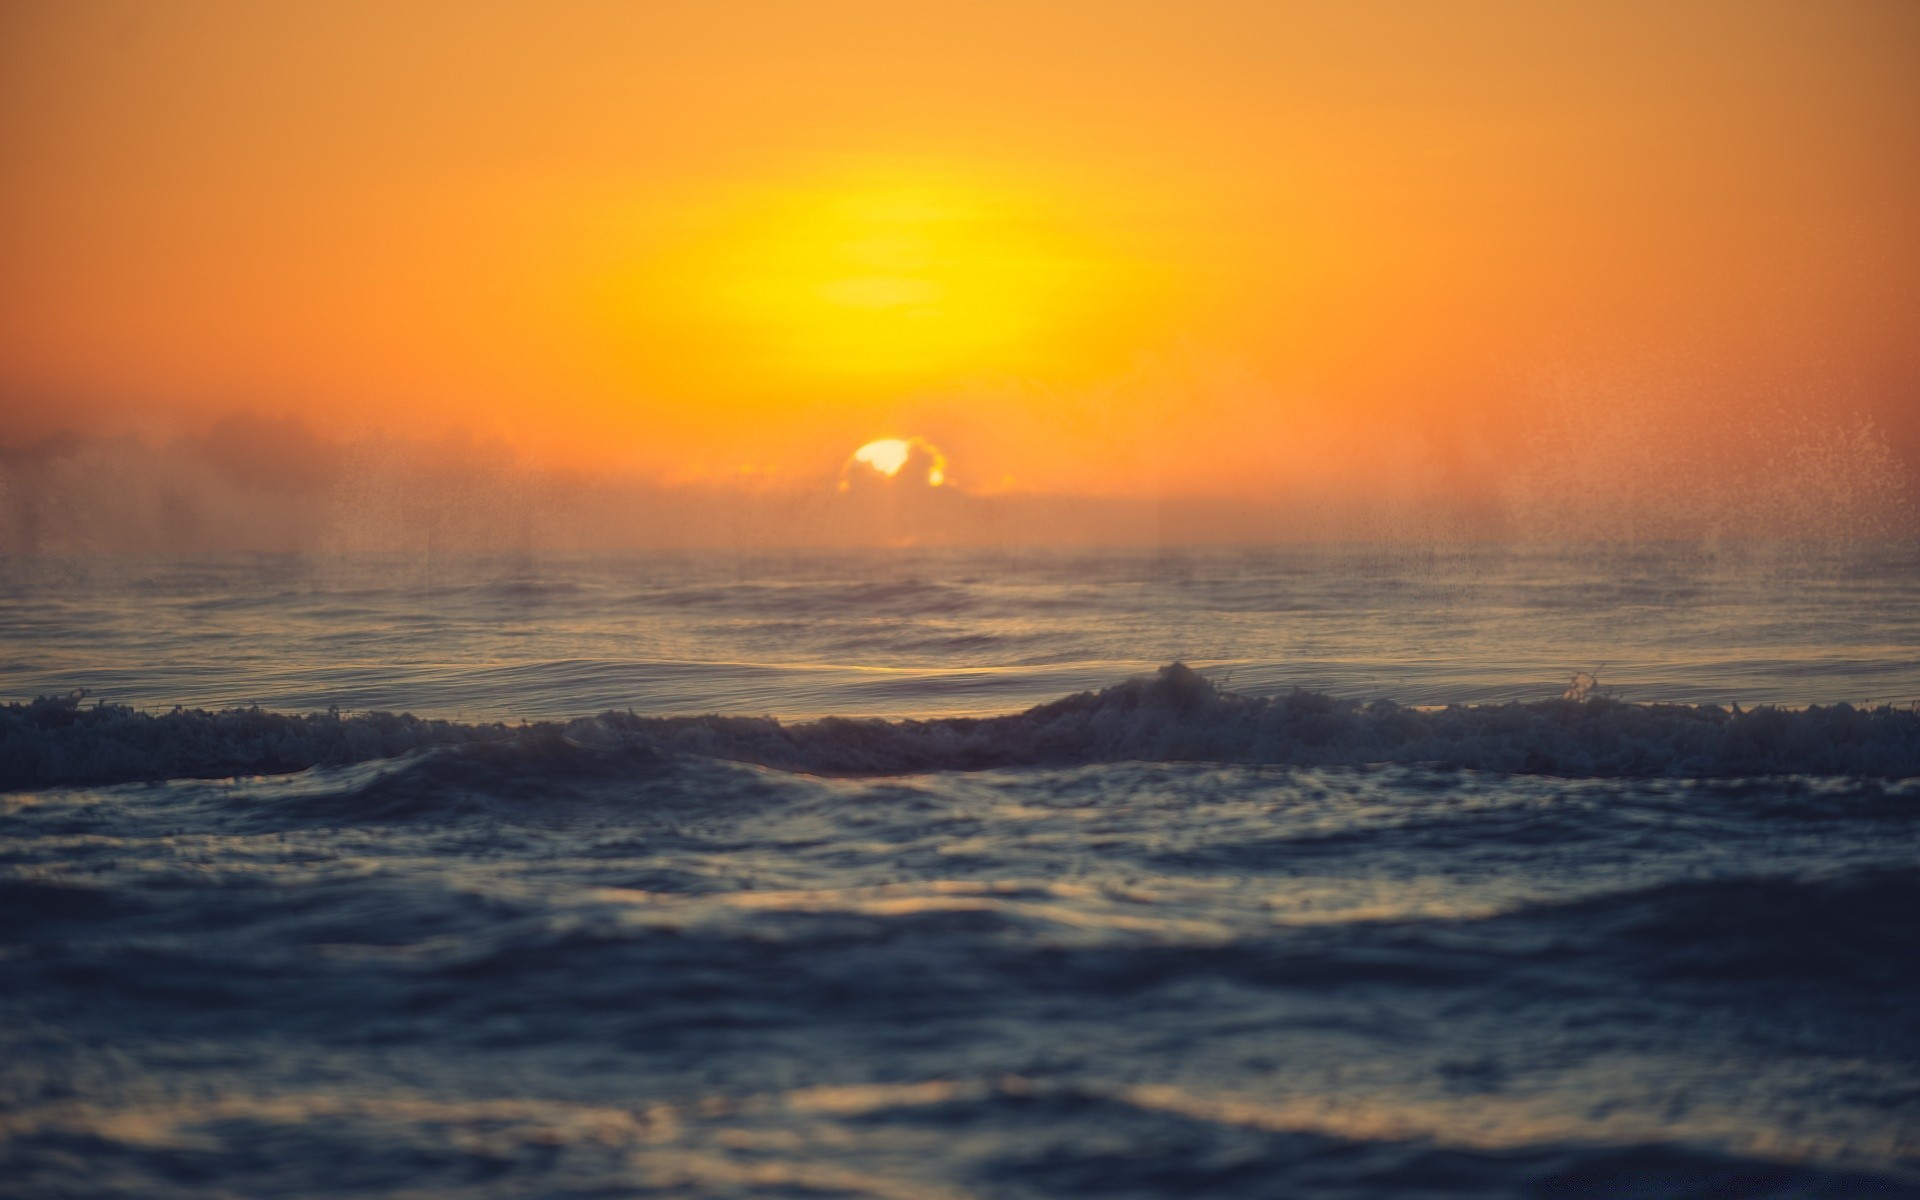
(921, 873)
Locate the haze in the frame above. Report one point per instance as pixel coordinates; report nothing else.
(324, 275)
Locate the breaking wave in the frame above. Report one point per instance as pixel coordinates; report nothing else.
(1175, 715)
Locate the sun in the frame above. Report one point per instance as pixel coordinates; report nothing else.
(888, 457)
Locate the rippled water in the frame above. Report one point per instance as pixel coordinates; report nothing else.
(928, 632)
(611, 958)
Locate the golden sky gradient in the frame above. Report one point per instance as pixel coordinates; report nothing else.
(1213, 248)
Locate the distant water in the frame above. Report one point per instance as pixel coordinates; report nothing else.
(919, 633)
(1171, 938)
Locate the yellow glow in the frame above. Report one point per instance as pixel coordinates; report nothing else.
(886, 456)
(882, 277)
(1241, 250)
(892, 276)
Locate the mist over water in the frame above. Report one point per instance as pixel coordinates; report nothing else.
(1189, 934)
(1587, 459)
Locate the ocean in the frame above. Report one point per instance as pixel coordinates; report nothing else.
(1321, 872)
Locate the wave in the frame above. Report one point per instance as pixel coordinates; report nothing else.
(56, 740)
(1174, 715)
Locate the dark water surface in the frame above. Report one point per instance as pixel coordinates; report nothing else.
(612, 959)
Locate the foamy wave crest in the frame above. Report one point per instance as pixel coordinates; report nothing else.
(1175, 715)
(58, 740)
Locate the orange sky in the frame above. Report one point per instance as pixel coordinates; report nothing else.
(1239, 249)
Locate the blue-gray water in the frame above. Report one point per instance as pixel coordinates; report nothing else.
(928, 632)
(1169, 939)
